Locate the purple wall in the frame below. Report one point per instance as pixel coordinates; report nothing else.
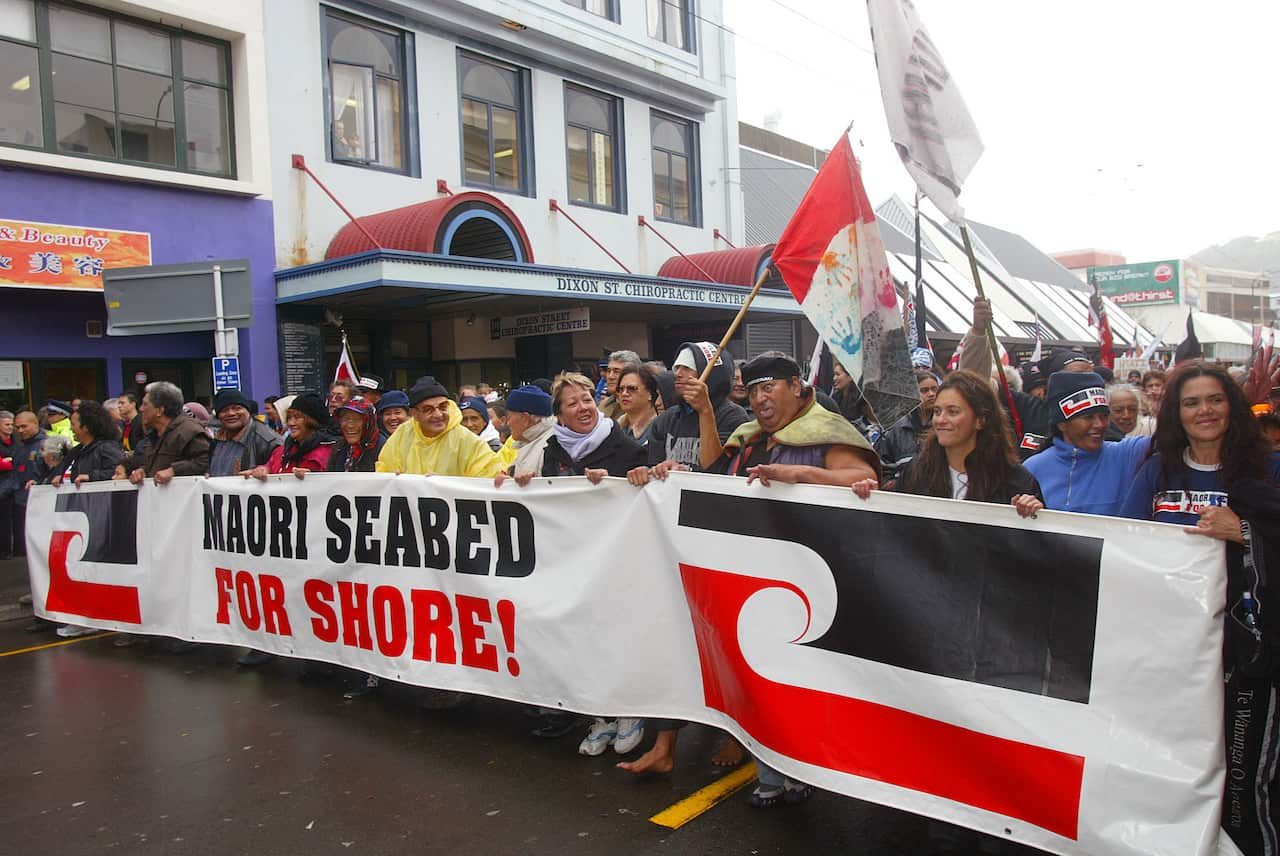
(185, 226)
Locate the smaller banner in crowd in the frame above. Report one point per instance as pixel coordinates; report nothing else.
(1056, 681)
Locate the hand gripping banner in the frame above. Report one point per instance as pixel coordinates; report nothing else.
(1055, 681)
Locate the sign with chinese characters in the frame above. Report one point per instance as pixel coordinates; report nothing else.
(1140, 284)
(45, 255)
(541, 323)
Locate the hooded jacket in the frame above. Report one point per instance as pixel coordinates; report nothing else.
(675, 435)
(1087, 482)
(453, 452)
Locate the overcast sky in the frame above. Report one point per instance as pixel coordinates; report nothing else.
(1151, 128)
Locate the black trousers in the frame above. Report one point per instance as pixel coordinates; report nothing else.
(8, 510)
(1252, 724)
(19, 529)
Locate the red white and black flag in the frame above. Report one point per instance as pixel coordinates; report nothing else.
(346, 364)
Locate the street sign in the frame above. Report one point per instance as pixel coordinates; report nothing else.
(226, 373)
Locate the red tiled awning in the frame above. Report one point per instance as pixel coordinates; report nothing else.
(472, 224)
(738, 266)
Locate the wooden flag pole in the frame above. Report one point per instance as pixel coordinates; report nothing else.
(733, 327)
(991, 334)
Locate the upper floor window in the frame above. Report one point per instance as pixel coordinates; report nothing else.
(603, 8)
(670, 22)
(675, 169)
(111, 87)
(495, 137)
(591, 145)
(367, 93)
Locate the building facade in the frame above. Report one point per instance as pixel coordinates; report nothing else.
(521, 170)
(127, 138)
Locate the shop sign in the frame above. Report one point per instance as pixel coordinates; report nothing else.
(46, 255)
(541, 323)
(1143, 284)
(11, 374)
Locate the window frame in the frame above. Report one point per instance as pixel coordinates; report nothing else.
(408, 91)
(611, 7)
(618, 136)
(524, 124)
(178, 79)
(688, 17)
(694, 156)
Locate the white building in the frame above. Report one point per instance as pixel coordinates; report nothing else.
(466, 121)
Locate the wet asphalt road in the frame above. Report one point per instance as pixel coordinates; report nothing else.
(135, 750)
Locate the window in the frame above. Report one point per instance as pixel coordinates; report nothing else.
(368, 94)
(671, 21)
(675, 169)
(591, 144)
(106, 86)
(603, 8)
(495, 139)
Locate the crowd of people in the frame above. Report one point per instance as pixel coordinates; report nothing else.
(1194, 447)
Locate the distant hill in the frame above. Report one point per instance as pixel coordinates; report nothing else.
(1245, 253)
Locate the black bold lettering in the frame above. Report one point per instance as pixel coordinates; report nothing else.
(281, 517)
(470, 513)
(338, 547)
(300, 529)
(235, 525)
(367, 547)
(214, 537)
(402, 542)
(433, 515)
(255, 524)
(520, 561)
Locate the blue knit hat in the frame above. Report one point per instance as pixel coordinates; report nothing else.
(393, 398)
(476, 403)
(1075, 393)
(529, 399)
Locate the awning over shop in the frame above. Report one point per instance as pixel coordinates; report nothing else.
(472, 224)
(739, 266)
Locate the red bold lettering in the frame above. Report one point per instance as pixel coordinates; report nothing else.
(432, 627)
(353, 601)
(273, 611)
(223, 577)
(319, 595)
(389, 621)
(247, 600)
(473, 614)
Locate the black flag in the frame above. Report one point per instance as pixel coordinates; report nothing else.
(1190, 348)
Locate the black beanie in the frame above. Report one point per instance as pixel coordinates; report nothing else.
(424, 388)
(312, 405)
(229, 397)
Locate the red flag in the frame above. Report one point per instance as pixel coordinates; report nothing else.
(346, 364)
(1098, 318)
(833, 261)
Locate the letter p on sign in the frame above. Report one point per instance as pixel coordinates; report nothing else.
(226, 373)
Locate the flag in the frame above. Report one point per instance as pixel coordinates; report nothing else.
(1098, 318)
(954, 362)
(346, 364)
(928, 121)
(1190, 348)
(1036, 355)
(1151, 349)
(832, 260)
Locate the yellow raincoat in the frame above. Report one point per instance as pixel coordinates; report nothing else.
(453, 452)
(507, 454)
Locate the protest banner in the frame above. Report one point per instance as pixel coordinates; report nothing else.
(1055, 681)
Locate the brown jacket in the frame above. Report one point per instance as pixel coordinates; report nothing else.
(184, 445)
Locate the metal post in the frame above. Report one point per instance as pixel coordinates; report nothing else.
(223, 345)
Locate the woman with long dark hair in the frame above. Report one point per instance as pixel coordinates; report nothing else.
(969, 454)
(1211, 470)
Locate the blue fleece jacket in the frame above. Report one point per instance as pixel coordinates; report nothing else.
(1087, 482)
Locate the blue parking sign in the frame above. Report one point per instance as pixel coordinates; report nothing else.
(226, 373)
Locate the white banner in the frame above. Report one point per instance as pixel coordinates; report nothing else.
(928, 121)
(1054, 681)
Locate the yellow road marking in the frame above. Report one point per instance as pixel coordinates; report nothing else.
(676, 816)
(55, 644)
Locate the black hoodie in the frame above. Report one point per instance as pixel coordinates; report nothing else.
(676, 435)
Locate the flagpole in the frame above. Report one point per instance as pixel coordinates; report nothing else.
(922, 337)
(733, 327)
(991, 332)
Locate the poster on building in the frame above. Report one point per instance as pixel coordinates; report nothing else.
(1140, 284)
(541, 323)
(48, 255)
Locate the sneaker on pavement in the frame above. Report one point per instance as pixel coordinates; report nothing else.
(554, 724)
(767, 796)
(71, 631)
(599, 737)
(630, 733)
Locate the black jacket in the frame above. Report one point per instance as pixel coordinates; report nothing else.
(9, 477)
(253, 450)
(1035, 414)
(676, 435)
(618, 454)
(1019, 481)
(365, 464)
(32, 466)
(97, 460)
(900, 444)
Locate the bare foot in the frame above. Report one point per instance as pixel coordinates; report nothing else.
(660, 759)
(730, 753)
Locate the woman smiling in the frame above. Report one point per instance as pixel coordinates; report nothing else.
(585, 442)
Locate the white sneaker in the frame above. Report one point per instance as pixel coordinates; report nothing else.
(630, 733)
(71, 631)
(598, 738)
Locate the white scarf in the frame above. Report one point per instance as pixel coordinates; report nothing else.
(578, 446)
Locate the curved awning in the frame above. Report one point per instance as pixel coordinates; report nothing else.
(472, 224)
(740, 266)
